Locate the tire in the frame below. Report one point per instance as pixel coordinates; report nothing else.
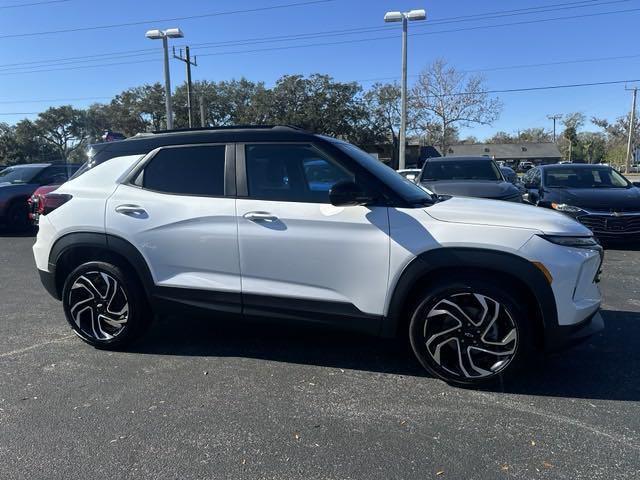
(471, 331)
(18, 216)
(105, 305)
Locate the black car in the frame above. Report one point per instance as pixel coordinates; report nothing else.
(17, 184)
(595, 195)
(467, 177)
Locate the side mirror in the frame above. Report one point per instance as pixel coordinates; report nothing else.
(347, 194)
(636, 184)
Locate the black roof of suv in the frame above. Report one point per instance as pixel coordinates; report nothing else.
(145, 142)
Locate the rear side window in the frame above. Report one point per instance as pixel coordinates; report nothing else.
(186, 171)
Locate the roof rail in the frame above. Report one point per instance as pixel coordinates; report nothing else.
(224, 127)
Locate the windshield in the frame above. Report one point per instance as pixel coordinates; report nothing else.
(596, 177)
(411, 192)
(20, 174)
(435, 170)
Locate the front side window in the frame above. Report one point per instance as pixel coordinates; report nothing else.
(186, 171)
(293, 173)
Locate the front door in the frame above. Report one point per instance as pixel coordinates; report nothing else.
(300, 255)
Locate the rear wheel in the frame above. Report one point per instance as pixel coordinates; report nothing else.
(104, 306)
(470, 331)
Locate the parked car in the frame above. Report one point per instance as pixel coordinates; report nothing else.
(595, 195)
(512, 177)
(110, 136)
(17, 184)
(224, 221)
(467, 177)
(38, 202)
(410, 173)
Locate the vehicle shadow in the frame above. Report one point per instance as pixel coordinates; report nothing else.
(603, 368)
(276, 341)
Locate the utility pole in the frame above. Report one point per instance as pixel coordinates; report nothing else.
(202, 121)
(554, 118)
(632, 118)
(187, 60)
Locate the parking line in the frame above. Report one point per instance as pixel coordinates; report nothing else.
(32, 347)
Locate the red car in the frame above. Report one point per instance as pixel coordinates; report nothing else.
(38, 202)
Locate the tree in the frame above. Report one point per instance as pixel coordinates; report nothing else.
(448, 99)
(528, 135)
(317, 103)
(64, 128)
(382, 122)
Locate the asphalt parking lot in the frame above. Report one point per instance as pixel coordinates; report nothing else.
(201, 399)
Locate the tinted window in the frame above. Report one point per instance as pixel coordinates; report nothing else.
(187, 171)
(584, 177)
(460, 170)
(295, 173)
(408, 190)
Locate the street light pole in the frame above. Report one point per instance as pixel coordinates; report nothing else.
(165, 35)
(167, 83)
(403, 95)
(405, 18)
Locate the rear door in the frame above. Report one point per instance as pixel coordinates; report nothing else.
(179, 212)
(299, 255)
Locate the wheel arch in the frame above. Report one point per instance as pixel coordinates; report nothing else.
(73, 249)
(428, 267)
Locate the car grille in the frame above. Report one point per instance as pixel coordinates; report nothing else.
(611, 224)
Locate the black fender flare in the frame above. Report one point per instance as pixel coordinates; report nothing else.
(106, 242)
(452, 258)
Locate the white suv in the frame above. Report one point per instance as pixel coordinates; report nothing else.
(280, 223)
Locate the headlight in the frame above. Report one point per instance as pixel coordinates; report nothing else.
(563, 207)
(576, 242)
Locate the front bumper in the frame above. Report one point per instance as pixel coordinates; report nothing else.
(560, 337)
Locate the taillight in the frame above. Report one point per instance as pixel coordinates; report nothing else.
(51, 201)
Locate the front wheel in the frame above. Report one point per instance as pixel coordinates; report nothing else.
(470, 331)
(105, 307)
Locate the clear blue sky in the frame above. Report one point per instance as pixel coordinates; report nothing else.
(483, 48)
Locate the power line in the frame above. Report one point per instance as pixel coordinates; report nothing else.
(328, 33)
(458, 19)
(456, 94)
(520, 66)
(369, 39)
(33, 4)
(174, 19)
(546, 87)
(322, 44)
(47, 100)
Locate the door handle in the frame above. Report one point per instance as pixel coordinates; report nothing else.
(131, 210)
(260, 217)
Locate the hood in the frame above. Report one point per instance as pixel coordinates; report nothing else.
(473, 188)
(505, 214)
(599, 198)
